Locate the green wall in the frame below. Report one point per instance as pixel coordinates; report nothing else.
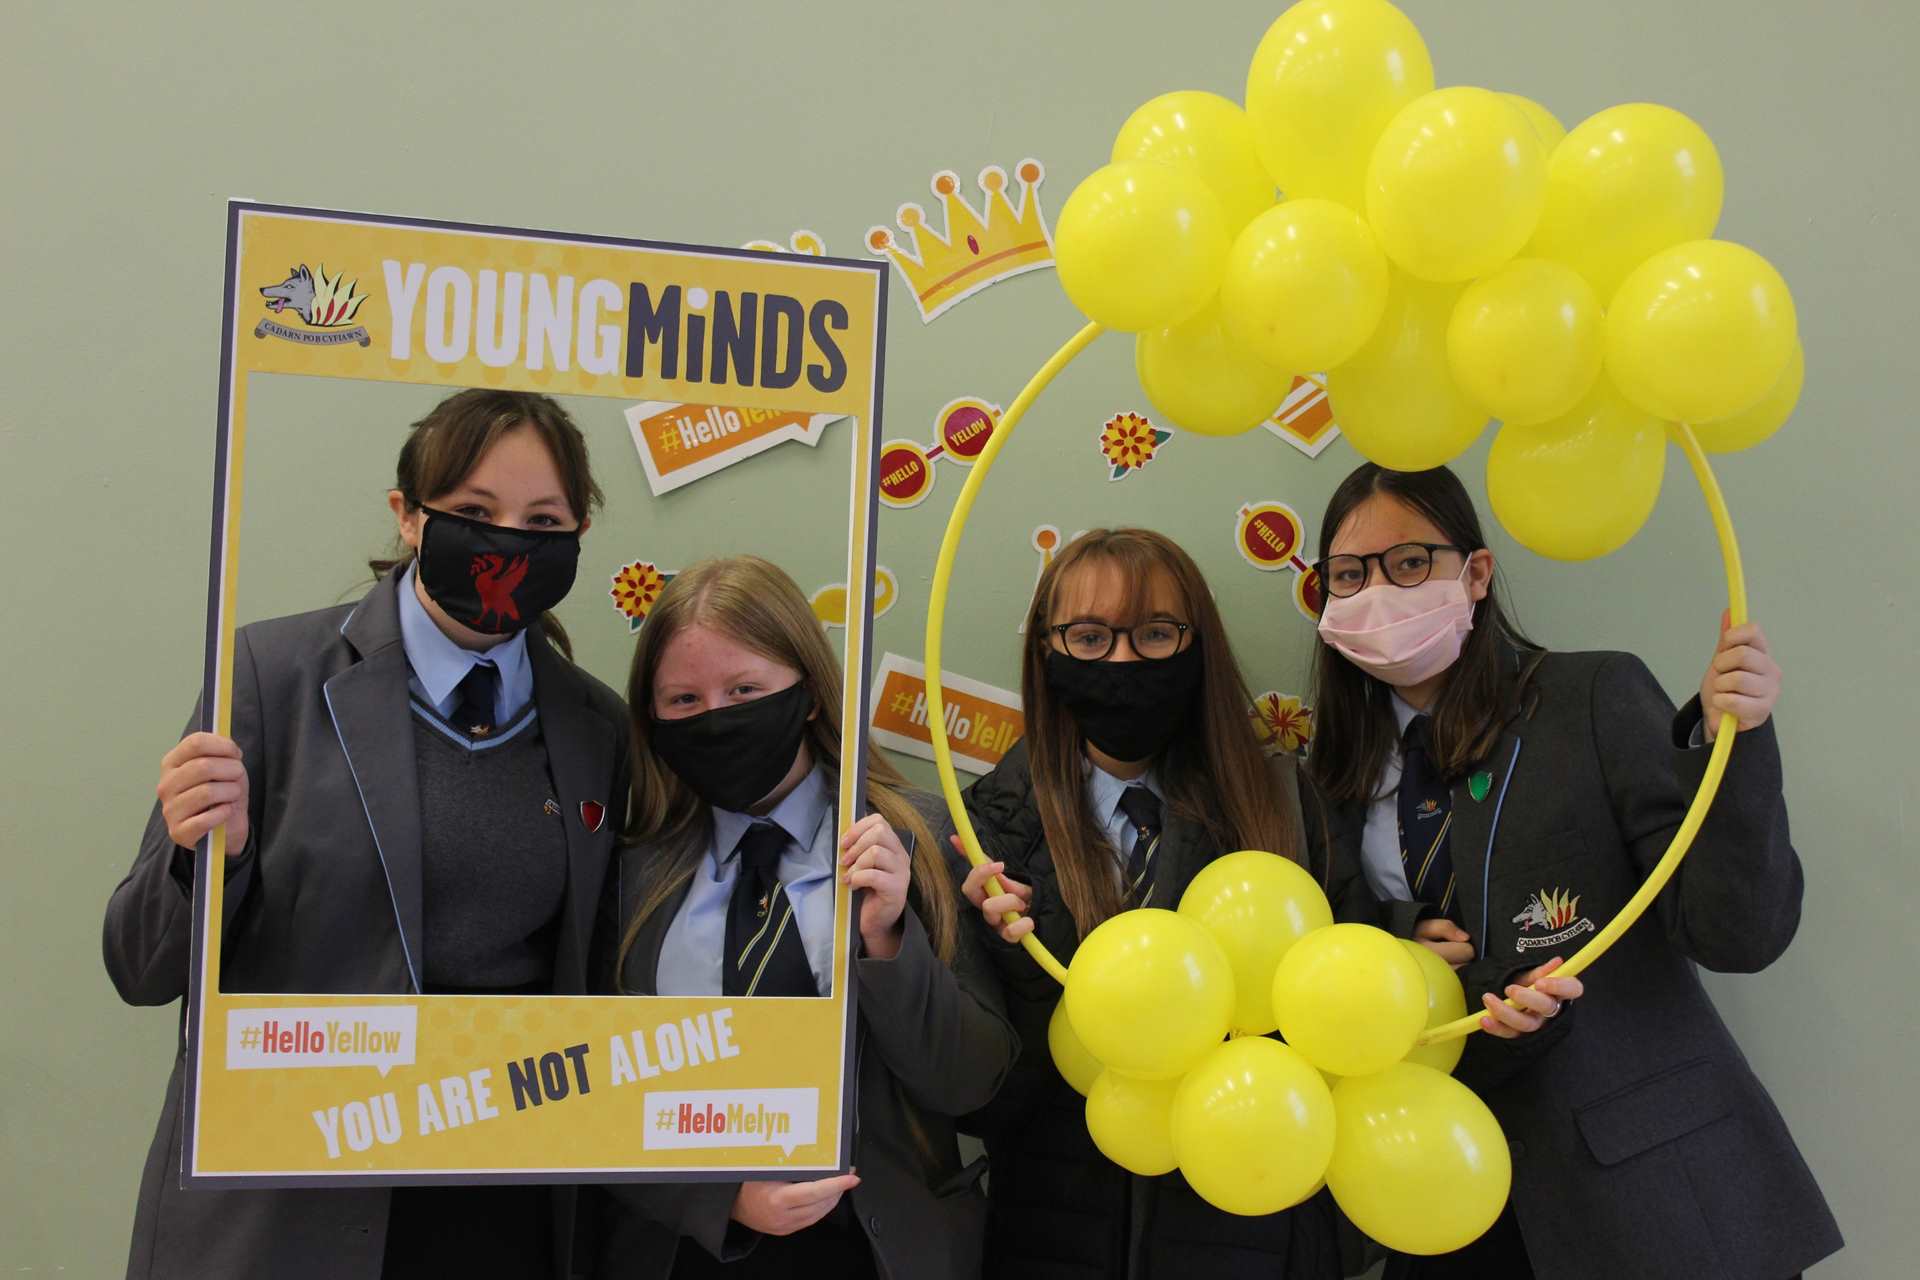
(129, 126)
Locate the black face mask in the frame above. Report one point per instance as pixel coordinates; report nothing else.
(1130, 710)
(491, 578)
(732, 756)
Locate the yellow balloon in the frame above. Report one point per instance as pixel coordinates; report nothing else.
(1203, 382)
(1256, 905)
(1527, 341)
(1456, 184)
(1149, 992)
(1419, 1163)
(1544, 122)
(1350, 999)
(1446, 1002)
(1581, 485)
(1209, 136)
(1326, 79)
(1253, 1127)
(1396, 400)
(1700, 331)
(1070, 1058)
(1140, 245)
(1744, 430)
(1305, 285)
(1131, 1121)
(1625, 184)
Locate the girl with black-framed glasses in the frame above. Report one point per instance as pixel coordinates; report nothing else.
(1140, 765)
(1517, 798)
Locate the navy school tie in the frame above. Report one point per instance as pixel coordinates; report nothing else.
(765, 956)
(478, 690)
(1426, 820)
(1142, 808)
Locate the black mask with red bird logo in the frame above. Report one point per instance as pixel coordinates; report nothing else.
(492, 578)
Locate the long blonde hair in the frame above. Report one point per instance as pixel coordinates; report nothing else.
(1214, 771)
(756, 604)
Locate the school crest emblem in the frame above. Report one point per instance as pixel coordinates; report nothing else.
(1555, 910)
(325, 306)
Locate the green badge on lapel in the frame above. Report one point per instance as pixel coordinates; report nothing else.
(1479, 784)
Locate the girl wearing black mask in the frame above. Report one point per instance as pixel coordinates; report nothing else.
(1140, 766)
(420, 795)
(727, 888)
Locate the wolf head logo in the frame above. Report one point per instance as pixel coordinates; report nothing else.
(1548, 909)
(320, 301)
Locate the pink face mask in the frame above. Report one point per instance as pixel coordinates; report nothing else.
(1401, 635)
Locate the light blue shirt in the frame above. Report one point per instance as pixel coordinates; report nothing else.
(1103, 797)
(1380, 859)
(694, 949)
(439, 665)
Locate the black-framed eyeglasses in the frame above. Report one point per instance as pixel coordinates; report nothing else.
(1407, 565)
(1091, 641)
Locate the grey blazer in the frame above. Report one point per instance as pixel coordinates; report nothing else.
(1643, 1145)
(933, 1043)
(329, 900)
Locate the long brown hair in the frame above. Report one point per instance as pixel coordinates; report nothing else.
(444, 447)
(1214, 772)
(756, 604)
(1355, 732)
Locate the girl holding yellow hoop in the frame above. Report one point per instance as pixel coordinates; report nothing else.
(1521, 797)
(1139, 767)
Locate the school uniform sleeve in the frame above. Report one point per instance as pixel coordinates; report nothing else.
(1489, 1060)
(1734, 904)
(147, 936)
(1333, 858)
(941, 1031)
(700, 1211)
(1025, 991)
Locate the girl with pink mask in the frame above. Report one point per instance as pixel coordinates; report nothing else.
(1513, 799)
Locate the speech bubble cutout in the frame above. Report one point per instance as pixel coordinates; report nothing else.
(732, 1118)
(377, 1036)
(681, 443)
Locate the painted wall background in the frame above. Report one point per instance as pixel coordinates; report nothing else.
(132, 124)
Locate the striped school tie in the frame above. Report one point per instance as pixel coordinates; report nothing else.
(1426, 821)
(1142, 808)
(765, 956)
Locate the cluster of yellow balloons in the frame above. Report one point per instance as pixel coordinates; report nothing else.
(1165, 1028)
(1447, 256)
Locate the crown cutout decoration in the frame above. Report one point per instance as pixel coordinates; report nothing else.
(804, 242)
(977, 250)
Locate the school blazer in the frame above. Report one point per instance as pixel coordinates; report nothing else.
(1643, 1144)
(932, 1043)
(328, 900)
(1060, 1210)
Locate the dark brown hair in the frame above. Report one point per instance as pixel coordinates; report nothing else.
(444, 447)
(1355, 733)
(1214, 771)
(755, 603)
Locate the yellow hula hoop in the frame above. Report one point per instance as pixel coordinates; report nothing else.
(943, 755)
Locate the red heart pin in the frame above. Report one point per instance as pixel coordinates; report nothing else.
(593, 813)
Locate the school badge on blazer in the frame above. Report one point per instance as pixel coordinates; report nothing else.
(1555, 910)
(593, 814)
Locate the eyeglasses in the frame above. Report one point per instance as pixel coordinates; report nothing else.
(1092, 641)
(1407, 565)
